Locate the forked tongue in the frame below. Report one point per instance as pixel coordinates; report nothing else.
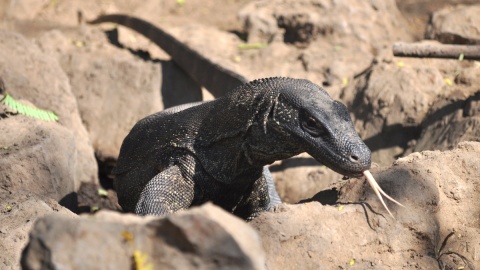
(378, 191)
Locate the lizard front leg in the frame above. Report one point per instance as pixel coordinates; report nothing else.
(272, 191)
(169, 191)
(261, 196)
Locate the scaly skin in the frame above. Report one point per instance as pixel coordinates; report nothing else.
(216, 151)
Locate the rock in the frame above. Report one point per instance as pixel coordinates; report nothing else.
(323, 32)
(114, 89)
(439, 197)
(456, 25)
(38, 157)
(18, 212)
(451, 122)
(25, 9)
(392, 99)
(54, 15)
(31, 75)
(220, 47)
(453, 116)
(397, 94)
(258, 22)
(92, 197)
(303, 21)
(200, 238)
(301, 177)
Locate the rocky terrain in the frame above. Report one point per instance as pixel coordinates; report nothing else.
(419, 116)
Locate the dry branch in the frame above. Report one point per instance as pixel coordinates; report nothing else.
(469, 52)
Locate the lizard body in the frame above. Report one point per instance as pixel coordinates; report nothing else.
(218, 150)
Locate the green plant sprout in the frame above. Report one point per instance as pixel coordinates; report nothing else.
(23, 109)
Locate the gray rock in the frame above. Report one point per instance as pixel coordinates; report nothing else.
(18, 212)
(455, 25)
(200, 238)
(30, 74)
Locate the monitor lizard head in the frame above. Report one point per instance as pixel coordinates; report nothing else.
(321, 126)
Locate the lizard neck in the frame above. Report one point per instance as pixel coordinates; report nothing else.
(234, 136)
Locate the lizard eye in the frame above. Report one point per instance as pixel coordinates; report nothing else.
(312, 126)
(311, 122)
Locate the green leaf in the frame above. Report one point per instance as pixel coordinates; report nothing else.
(20, 108)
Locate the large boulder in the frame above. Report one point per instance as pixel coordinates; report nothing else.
(201, 238)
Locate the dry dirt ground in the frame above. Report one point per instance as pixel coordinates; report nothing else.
(399, 106)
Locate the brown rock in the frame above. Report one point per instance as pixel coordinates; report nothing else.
(456, 25)
(439, 196)
(391, 100)
(200, 238)
(114, 90)
(18, 212)
(304, 21)
(259, 23)
(24, 9)
(301, 177)
(451, 122)
(334, 41)
(38, 157)
(31, 75)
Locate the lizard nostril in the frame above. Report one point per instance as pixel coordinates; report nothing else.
(354, 158)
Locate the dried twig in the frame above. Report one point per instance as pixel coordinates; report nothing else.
(470, 52)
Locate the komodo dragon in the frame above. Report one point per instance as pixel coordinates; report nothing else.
(218, 150)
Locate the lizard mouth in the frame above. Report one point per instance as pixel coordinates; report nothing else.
(349, 165)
